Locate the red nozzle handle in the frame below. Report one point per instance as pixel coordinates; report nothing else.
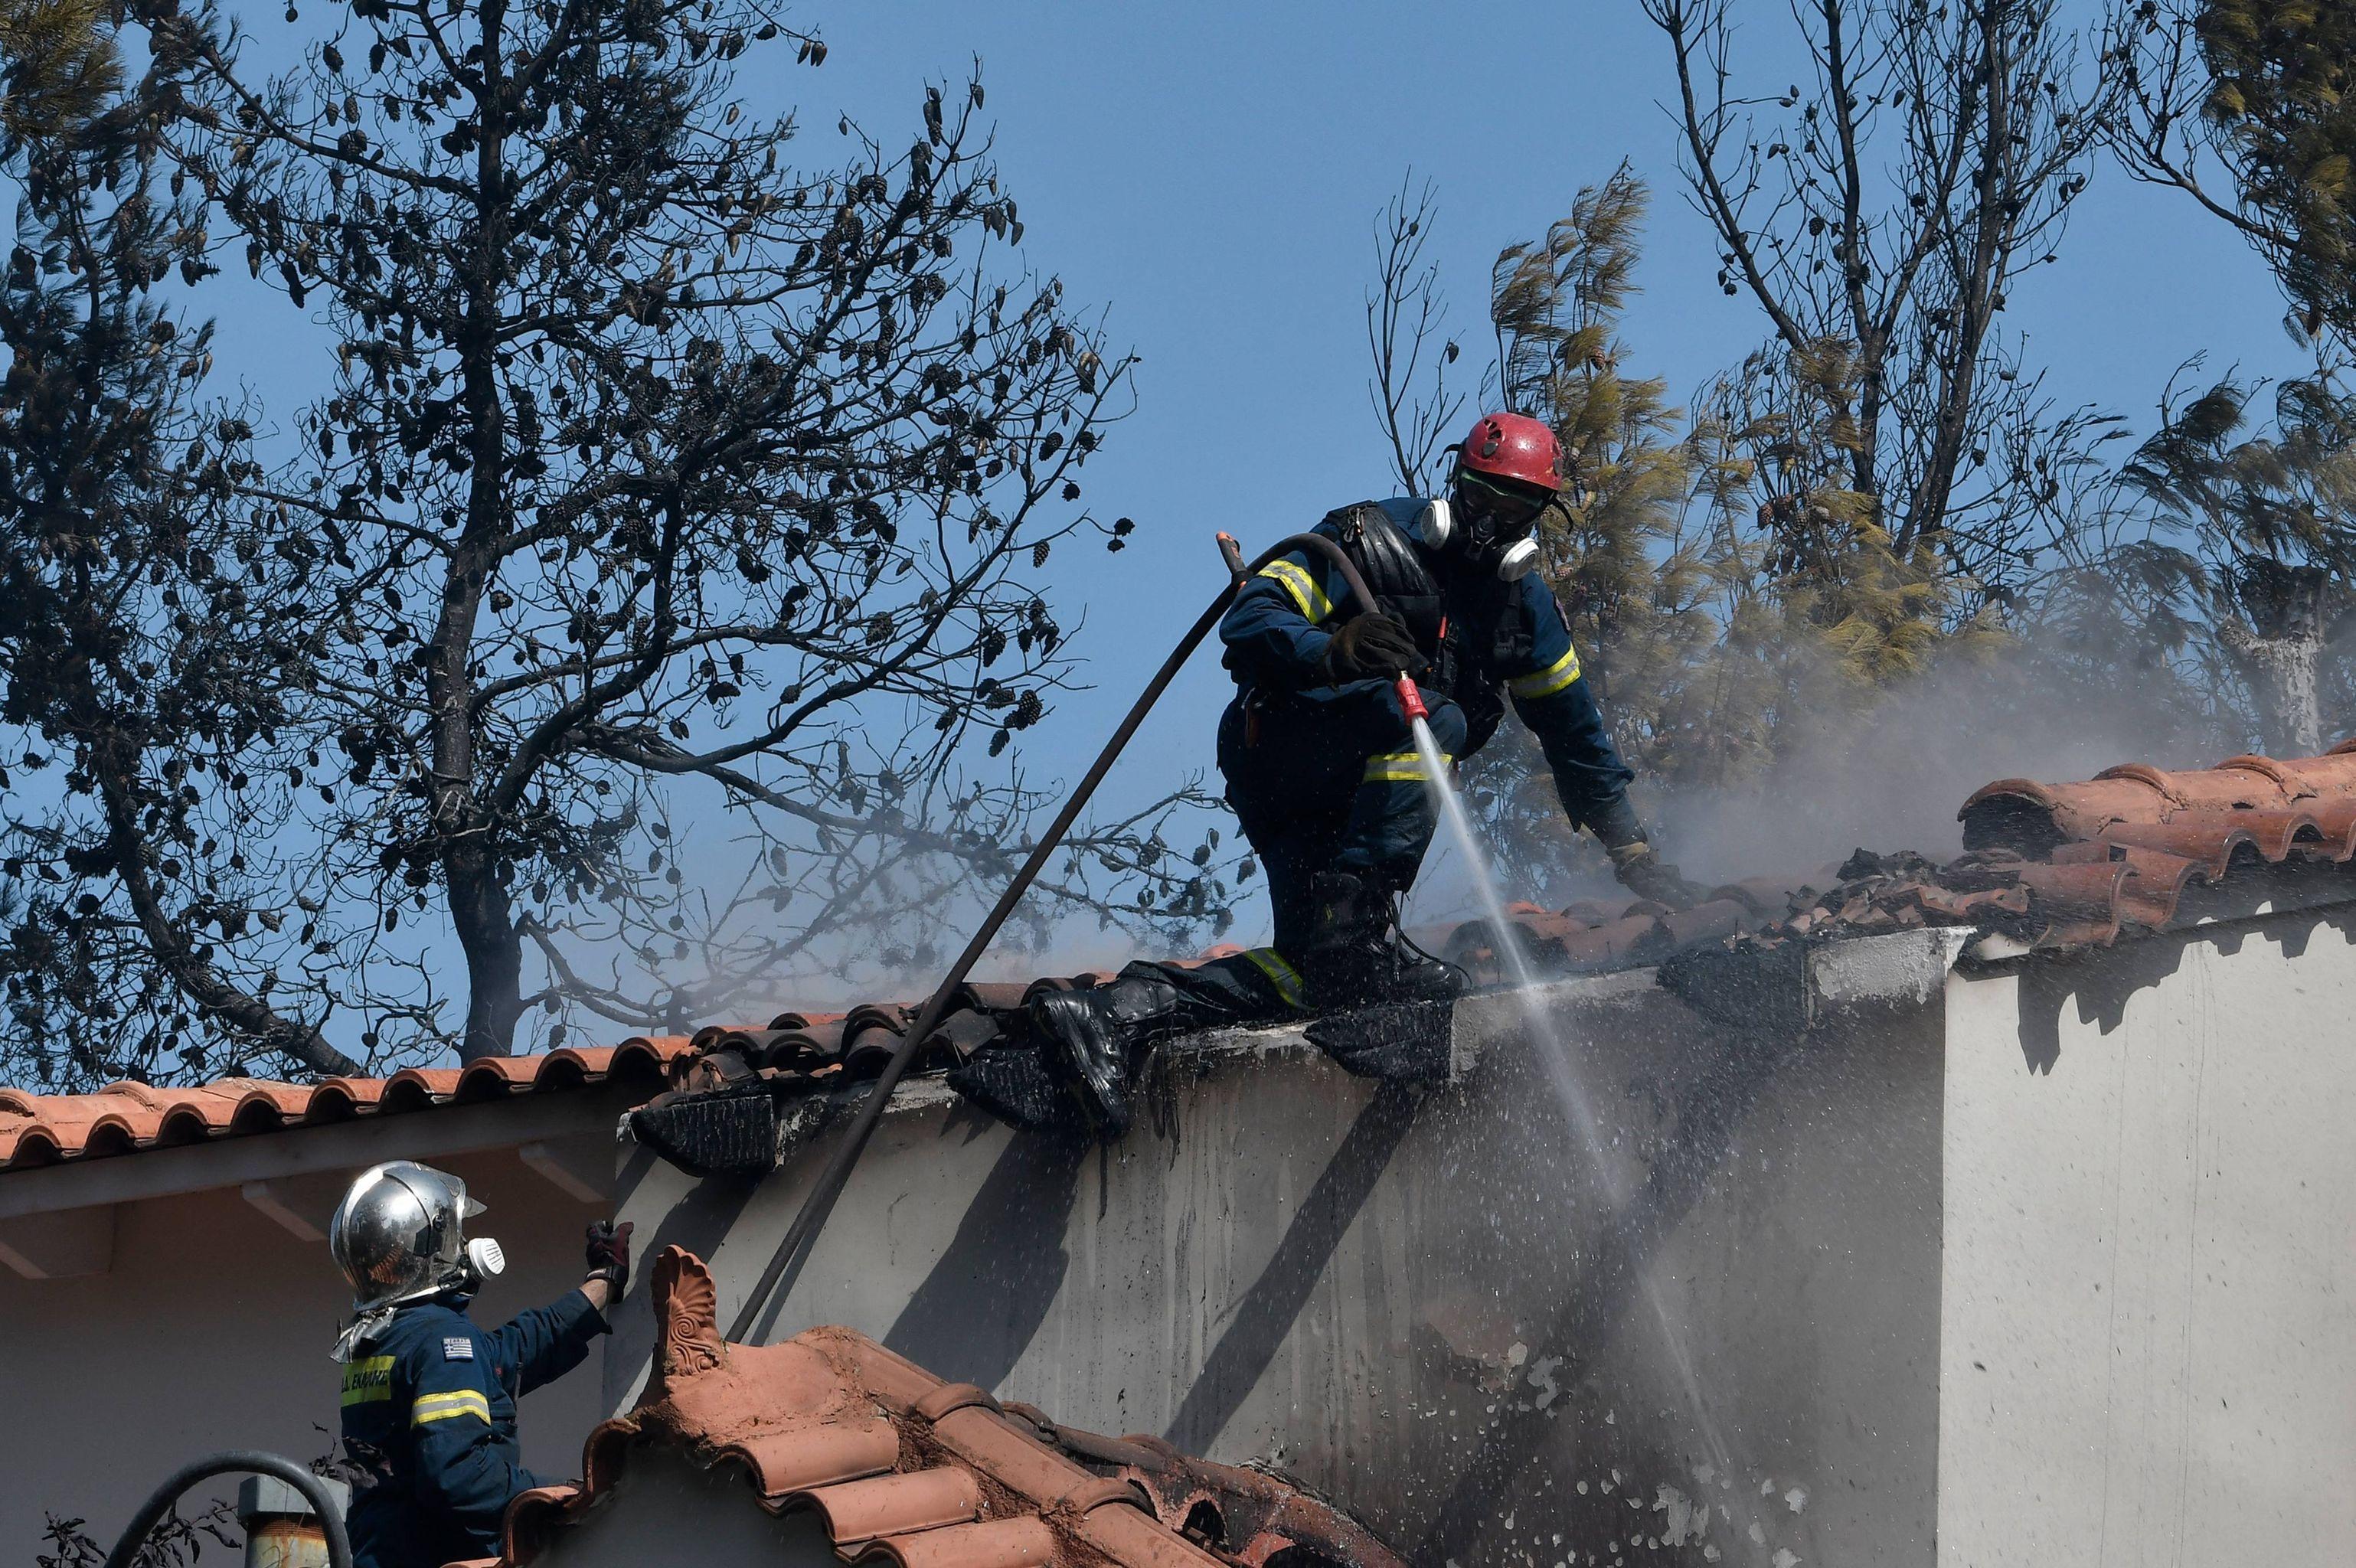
(1410, 700)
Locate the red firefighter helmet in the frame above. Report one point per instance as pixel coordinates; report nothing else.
(1515, 447)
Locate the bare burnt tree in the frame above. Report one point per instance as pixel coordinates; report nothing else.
(669, 465)
(1406, 337)
(156, 647)
(1884, 211)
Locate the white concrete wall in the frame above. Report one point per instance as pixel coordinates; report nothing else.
(211, 1329)
(2148, 1335)
(1447, 1312)
(2056, 1271)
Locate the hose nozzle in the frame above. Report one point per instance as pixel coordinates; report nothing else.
(1410, 701)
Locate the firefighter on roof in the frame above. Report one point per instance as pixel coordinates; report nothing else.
(429, 1399)
(1324, 773)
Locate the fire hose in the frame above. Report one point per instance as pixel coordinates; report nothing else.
(820, 1203)
(235, 1461)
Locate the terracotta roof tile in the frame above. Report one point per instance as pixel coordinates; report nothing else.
(2048, 864)
(124, 1118)
(927, 1474)
(1021, 1542)
(793, 1461)
(895, 1504)
(2055, 865)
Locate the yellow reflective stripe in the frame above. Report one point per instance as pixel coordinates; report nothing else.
(1399, 767)
(447, 1406)
(367, 1380)
(454, 1396)
(1282, 975)
(1296, 582)
(479, 1411)
(1550, 680)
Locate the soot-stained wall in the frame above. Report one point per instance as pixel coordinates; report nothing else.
(1636, 1284)
(2039, 1261)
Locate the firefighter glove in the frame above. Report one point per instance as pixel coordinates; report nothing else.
(1642, 871)
(610, 1254)
(1370, 647)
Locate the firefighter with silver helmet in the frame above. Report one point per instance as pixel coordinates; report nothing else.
(429, 1399)
(1324, 773)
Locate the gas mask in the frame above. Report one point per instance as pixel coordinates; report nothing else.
(1480, 535)
(484, 1260)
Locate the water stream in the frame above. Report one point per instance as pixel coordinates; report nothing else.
(1561, 1064)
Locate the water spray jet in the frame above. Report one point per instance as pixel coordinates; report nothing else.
(1554, 1053)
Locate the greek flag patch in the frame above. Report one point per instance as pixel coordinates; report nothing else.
(457, 1349)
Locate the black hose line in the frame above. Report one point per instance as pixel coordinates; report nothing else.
(234, 1461)
(820, 1202)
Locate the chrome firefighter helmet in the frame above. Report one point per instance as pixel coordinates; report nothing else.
(399, 1236)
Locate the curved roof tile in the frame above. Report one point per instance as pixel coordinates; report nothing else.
(893, 1505)
(941, 1476)
(2050, 864)
(124, 1117)
(2056, 865)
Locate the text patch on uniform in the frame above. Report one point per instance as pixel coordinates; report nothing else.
(457, 1349)
(367, 1380)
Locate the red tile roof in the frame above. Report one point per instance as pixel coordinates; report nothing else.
(898, 1467)
(831, 1046)
(2048, 864)
(2062, 865)
(42, 1129)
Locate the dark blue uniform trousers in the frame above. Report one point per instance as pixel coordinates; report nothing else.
(1328, 782)
(1332, 782)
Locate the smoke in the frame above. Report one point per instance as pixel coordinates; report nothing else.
(891, 940)
(1893, 774)
(1889, 769)
(1885, 770)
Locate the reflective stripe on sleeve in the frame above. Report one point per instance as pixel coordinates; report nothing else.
(1282, 975)
(1550, 680)
(1399, 767)
(449, 1406)
(1296, 582)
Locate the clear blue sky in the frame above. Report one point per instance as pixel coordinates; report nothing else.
(1210, 174)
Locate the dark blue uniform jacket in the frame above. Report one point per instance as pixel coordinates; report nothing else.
(430, 1420)
(1508, 635)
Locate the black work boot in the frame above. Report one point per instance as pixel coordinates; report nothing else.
(1092, 1038)
(1420, 977)
(1353, 959)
